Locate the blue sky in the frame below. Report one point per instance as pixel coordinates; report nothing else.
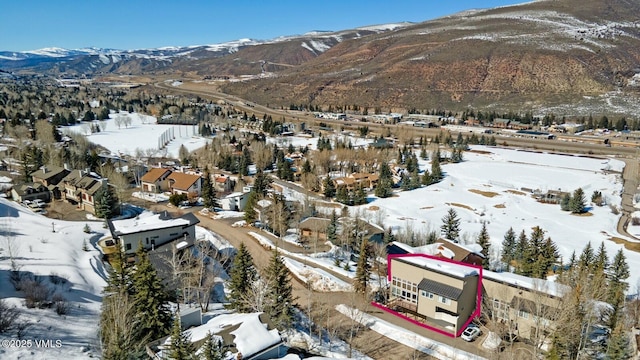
(135, 24)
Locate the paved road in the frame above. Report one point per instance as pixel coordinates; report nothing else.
(630, 177)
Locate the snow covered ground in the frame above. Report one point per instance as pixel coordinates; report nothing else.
(142, 134)
(58, 260)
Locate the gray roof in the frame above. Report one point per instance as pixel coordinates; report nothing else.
(441, 289)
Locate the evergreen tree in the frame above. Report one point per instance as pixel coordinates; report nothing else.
(105, 202)
(585, 261)
(150, 299)
(250, 213)
(359, 197)
(363, 270)
(241, 278)
(280, 301)
(209, 192)
(619, 347)
(485, 242)
(212, 348)
(332, 228)
(601, 260)
(329, 187)
(261, 183)
(385, 182)
(181, 347)
(451, 225)
(548, 256)
(342, 195)
(306, 167)
(508, 247)
(522, 245)
(120, 274)
(577, 203)
(618, 273)
(436, 170)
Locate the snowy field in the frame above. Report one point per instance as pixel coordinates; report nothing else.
(59, 261)
(501, 173)
(142, 134)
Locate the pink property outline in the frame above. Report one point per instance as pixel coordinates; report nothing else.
(475, 314)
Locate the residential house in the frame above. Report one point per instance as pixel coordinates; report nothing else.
(357, 180)
(183, 183)
(314, 228)
(222, 183)
(50, 176)
(30, 191)
(79, 187)
(154, 181)
(235, 201)
(522, 306)
(249, 336)
(439, 293)
(150, 230)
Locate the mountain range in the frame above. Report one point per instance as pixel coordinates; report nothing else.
(569, 57)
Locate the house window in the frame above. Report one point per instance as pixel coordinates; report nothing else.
(128, 247)
(500, 310)
(523, 314)
(426, 294)
(405, 290)
(444, 300)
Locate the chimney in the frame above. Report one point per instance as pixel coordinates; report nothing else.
(66, 166)
(44, 169)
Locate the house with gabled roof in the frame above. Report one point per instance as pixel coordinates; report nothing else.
(183, 183)
(314, 227)
(79, 187)
(154, 181)
(50, 176)
(30, 191)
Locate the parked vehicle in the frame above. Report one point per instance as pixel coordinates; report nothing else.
(471, 333)
(38, 203)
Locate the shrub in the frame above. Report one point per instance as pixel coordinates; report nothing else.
(36, 294)
(176, 199)
(60, 304)
(86, 228)
(8, 316)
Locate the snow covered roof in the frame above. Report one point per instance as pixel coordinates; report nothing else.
(250, 334)
(149, 221)
(459, 271)
(545, 286)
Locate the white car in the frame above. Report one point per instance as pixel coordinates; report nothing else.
(471, 333)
